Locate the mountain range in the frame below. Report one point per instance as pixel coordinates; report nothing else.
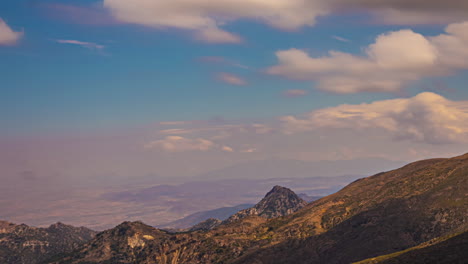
(24, 244)
(414, 214)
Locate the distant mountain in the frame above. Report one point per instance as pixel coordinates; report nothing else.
(281, 168)
(395, 213)
(24, 244)
(280, 201)
(178, 201)
(206, 225)
(193, 219)
(308, 198)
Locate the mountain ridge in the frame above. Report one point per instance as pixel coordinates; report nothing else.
(373, 216)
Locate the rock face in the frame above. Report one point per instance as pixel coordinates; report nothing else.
(383, 214)
(29, 245)
(280, 201)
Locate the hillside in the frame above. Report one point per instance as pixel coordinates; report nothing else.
(443, 250)
(24, 244)
(382, 214)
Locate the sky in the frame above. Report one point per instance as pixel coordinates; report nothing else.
(114, 89)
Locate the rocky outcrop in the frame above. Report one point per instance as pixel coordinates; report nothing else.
(29, 245)
(280, 201)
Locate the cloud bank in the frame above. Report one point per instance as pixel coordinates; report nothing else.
(394, 60)
(427, 117)
(7, 35)
(204, 17)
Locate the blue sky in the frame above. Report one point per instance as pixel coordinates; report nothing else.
(103, 94)
(134, 88)
(145, 75)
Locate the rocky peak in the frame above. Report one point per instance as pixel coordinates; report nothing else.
(280, 201)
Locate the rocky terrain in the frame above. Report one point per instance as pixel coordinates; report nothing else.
(28, 245)
(414, 214)
(280, 201)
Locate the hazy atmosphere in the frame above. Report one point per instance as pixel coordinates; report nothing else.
(115, 110)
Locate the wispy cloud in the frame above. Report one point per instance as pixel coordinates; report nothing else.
(7, 35)
(231, 79)
(222, 60)
(341, 39)
(294, 93)
(88, 45)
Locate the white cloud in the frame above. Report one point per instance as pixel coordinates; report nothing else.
(227, 149)
(181, 144)
(427, 117)
(341, 39)
(204, 17)
(231, 79)
(7, 35)
(215, 35)
(88, 45)
(394, 60)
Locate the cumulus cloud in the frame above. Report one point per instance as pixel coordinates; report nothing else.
(394, 60)
(204, 17)
(231, 79)
(7, 35)
(182, 144)
(427, 117)
(88, 45)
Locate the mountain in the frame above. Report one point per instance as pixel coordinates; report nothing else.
(280, 201)
(308, 198)
(376, 216)
(29, 245)
(193, 219)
